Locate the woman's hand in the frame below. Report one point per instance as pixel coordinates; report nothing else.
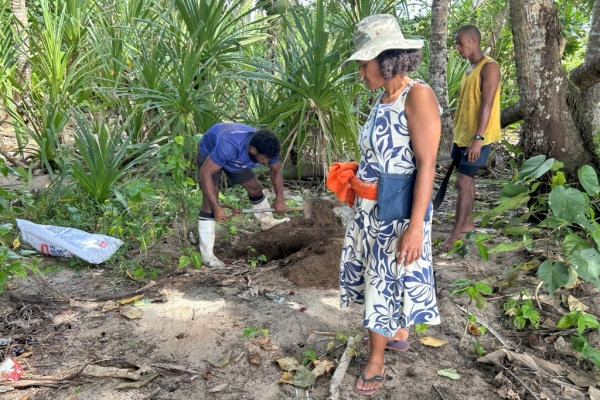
(410, 245)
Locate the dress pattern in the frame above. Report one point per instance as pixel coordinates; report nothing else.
(394, 295)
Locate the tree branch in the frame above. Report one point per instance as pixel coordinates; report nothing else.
(511, 114)
(586, 74)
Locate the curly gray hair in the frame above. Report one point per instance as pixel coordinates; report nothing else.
(393, 62)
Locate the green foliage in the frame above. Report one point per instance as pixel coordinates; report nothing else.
(582, 321)
(421, 328)
(308, 356)
(103, 156)
(250, 333)
(474, 291)
(579, 319)
(311, 97)
(479, 350)
(540, 188)
(11, 263)
(253, 259)
(522, 310)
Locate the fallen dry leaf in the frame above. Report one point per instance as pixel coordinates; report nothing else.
(594, 393)
(110, 305)
(136, 384)
(132, 312)
(322, 367)
(254, 360)
(288, 363)
(131, 299)
(221, 361)
(583, 379)
(287, 377)
(262, 341)
(25, 355)
(576, 305)
(217, 388)
(269, 347)
(95, 314)
(432, 342)
(474, 330)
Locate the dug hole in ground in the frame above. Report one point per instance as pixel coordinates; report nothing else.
(184, 338)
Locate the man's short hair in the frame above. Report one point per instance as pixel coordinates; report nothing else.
(266, 143)
(470, 30)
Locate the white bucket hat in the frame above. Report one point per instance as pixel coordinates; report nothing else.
(376, 34)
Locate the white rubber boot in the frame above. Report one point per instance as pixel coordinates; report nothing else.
(266, 218)
(206, 231)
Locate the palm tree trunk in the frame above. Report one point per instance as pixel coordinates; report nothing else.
(437, 68)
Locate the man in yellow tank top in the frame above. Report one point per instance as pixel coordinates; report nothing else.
(476, 125)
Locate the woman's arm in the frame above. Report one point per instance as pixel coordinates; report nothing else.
(424, 128)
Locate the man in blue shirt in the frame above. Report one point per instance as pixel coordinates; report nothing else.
(236, 149)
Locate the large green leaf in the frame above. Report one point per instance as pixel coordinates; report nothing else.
(535, 167)
(567, 204)
(587, 265)
(574, 242)
(554, 275)
(589, 180)
(512, 190)
(502, 247)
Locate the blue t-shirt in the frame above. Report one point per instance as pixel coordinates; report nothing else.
(227, 146)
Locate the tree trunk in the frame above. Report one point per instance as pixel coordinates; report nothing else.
(591, 95)
(549, 126)
(19, 9)
(438, 66)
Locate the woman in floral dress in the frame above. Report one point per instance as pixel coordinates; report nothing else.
(386, 264)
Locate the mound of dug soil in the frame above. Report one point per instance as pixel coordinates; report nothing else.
(309, 248)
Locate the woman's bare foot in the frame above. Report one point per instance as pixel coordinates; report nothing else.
(401, 334)
(371, 370)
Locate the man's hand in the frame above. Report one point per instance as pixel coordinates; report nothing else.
(473, 150)
(410, 246)
(220, 214)
(279, 205)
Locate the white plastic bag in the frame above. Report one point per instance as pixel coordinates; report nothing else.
(68, 242)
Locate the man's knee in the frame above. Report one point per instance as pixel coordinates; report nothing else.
(464, 182)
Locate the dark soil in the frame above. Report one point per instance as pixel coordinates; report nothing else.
(308, 248)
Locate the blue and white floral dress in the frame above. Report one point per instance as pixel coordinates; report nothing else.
(395, 296)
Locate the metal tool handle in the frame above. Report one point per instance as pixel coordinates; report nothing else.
(253, 210)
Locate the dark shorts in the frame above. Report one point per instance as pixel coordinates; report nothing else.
(466, 167)
(235, 178)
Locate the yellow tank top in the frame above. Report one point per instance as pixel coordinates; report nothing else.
(467, 111)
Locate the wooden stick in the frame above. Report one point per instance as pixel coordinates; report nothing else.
(118, 296)
(173, 367)
(490, 329)
(517, 378)
(438, 392)
(340, 371)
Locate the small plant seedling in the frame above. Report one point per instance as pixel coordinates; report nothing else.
(475, 291)
(250, 333)
(309, 356)
(479, 350)
(522, 310)
(255, 261)
(421, 328)
(582, 321)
